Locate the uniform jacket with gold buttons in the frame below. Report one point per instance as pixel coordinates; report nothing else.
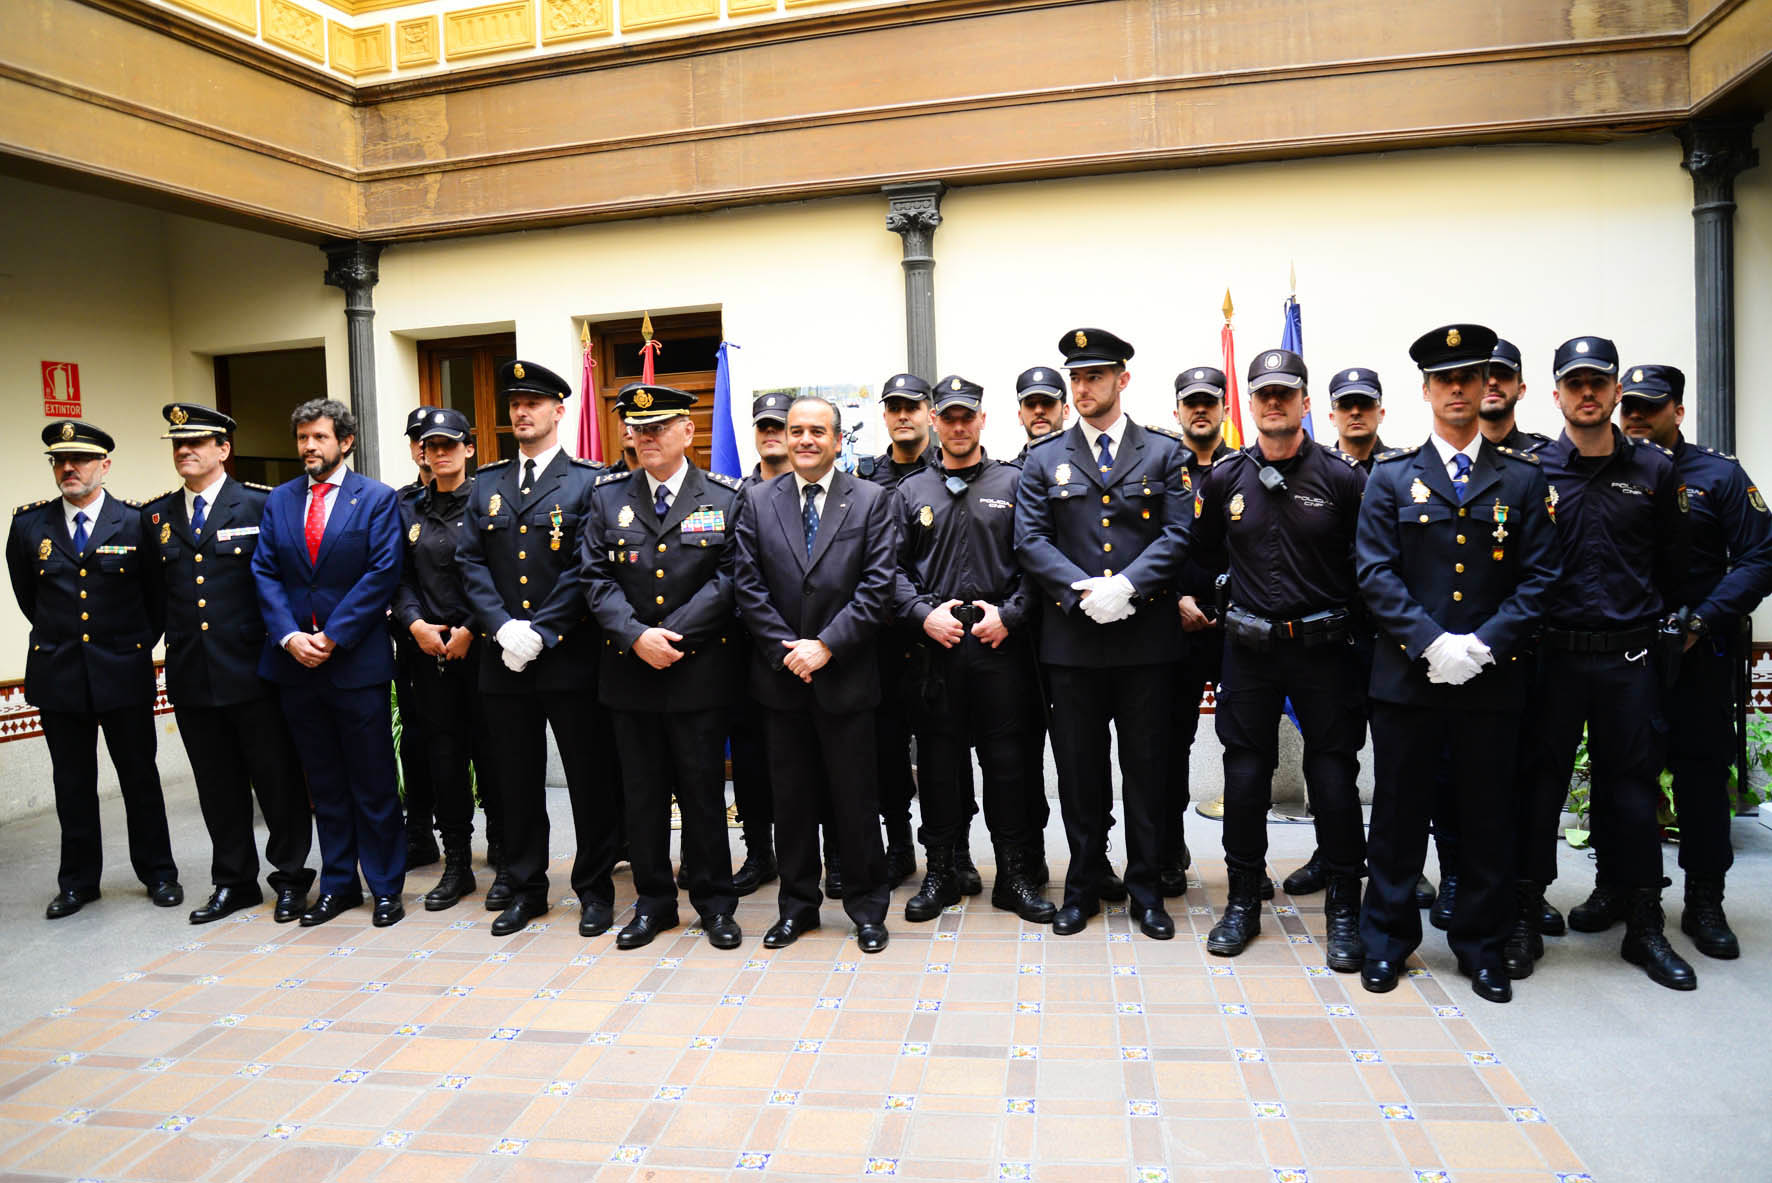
(642, 571)
(215, 633)
(518, 555)
(94, 615)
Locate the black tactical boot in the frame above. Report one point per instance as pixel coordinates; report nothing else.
(1014, 889)
(965, 871)
(1440, 915)
(1645, 942)
(1241, 921)
(901, 852)
(1341, 910)
(1424, 892)
(421, 846)
(1703, 919)
(457, 880)
(940, 886)
(757, 869)
(1524, 946)
(1600, 910)
(1308, 879)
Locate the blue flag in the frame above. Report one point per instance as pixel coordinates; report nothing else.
(1292, 339)
(725, 450)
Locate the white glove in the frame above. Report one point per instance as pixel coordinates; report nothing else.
(1449, 660)
(513, 662)
(1480, 652)
(1109, 599)
(520, 638)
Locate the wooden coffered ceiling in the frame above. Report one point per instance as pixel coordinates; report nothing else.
(130, 97)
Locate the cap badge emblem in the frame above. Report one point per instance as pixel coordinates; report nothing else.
(1272, 360)
(67, 431)
(1353, 375)
(1199, 375)
(1636, 375)
(1454, 338)
(954, 385)
(1039, 375)
(178, 416)
(926, 515)
(1237, 508)
(437, 418)
(1581, 347)
(1062, 474)
(897, 382)
(642, 399)
(1081, 339)
(517, 370)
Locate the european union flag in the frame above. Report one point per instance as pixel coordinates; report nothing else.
(1292, 338)
(725, 451)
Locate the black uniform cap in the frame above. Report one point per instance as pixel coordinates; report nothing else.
(1277, 367)
(442, 423)
(526, 377)
(1506, 353)
(1040, 380)
(770, 408)
(1200, 380)
(906, 386)
(1356, 383)
(1655, 384)
(640, 403)
(71, 437)
(1584, 353)
(1093, 347)
(1453, 347)
(191, 421)
(955, 391)
(416, 420)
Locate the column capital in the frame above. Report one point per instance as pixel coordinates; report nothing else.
(914, 211)
(352, 264)
(1717, 151)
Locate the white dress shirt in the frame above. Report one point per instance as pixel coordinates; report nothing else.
(209, 495)
(1115, 433)
(1447, 452)
(90, 509)
(824, 484)
(335, 480)
(674, 483)
(541, 463)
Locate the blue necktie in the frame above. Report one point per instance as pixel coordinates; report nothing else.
(810, 517)
(1106, 458)
(1461, 475)
(80, 532)
(197, 515)
(664, 500)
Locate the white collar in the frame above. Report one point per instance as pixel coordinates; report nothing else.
(1093, 434)
(1447, 451)
(542, 460)
(208, 494)
(824, 482)
(336, 479)
(91, 509)
(674, 482)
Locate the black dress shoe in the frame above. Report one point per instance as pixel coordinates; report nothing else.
(1424, 892)
(787, 930)
(1112, 888)
(66, 903)
(723, 931)
(1155, 924)
(639, 932)
(1378, 977)
(389, 911)
(833, 880)
(501, 893)
(1172, 879)
(517, 917)
(290, 903)
(1440, 915)
(594, 918)
(757, 869)
(226, 900)
(167, 894)
(1073, 918)
(1492, 985)
(330, 904)
(1551, 923)
(871, 937)
(421, 847)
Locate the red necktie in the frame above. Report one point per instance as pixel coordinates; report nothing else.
(317, 519)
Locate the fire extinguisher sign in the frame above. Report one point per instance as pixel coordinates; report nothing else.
(61, 389)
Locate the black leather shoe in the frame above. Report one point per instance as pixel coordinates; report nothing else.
(757, 869)
(1440, 915)
(1308, 879)
(290, 904)
(1492, 985)
(1601, 910)
(833, 879)
(517, 917)
(389, 911)
(1550, 922)
(167, 894)
(871, 937)
(330, 904)
(227, 900)
(1112, 888)
(640, 931)
(1172, 879)
(594, 918)
(1424, 892)
(1073, 918)
(901, 864)
(786, 931)
(1377, 976)
(1267, 888)
(723, 931)
(421, 847)
(1155, 924)
(501, 893)
(66, 903)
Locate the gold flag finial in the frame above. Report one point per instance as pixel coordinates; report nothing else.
(646, 327)
(1227, 305)
(1293, 264)
(584, 335)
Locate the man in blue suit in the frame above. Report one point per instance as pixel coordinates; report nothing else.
(327, 564)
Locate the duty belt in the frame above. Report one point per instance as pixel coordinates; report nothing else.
(1258, 632)
(1573, 641)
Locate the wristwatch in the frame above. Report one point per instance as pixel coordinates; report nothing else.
(1696, 625)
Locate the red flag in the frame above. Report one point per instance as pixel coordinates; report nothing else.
(590, 442)
(1233, 402)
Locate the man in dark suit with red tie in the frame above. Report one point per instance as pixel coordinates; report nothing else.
(817, 553)
(327, 564)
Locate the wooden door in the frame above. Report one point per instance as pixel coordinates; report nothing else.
(691, 351)
(462, 374)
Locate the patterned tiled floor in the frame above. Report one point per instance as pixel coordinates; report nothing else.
(976, 1047)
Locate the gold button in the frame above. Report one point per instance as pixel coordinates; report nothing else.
(659, 572)
(522, 554)
(522, 529)
(1107, 573)
(85, 616)
(199, 579)
(1458, 595)
(205, 626)
(1461, 540)
(522, 579)
(82, 594)
(526, 604)
(83, 569)
(660, 599)
(1104, 521)
(202, 603)
(661, 545)
(1458, 567)
(1461, 513)
(199, 558)
(236, 550)
(1424, 517)
(84, 637)
(1107, 546)
(1147, 513)
(1104, 498)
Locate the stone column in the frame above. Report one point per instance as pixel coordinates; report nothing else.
(913, 215)
(351, 265)
(1717, 151)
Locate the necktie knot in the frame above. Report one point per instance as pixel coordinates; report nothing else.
(1461, 474)
(80, 518)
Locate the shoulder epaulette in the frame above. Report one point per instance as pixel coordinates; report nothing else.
(1516, 454)
(583, 463)
(1714, 452)
(259, 487)
(1668, 452)
(1160, 430)
(1343, 457)
(1396, 454)
(720, 478)
(33, 505)
(1046, 439)
(610, 478)
(494, 466)
(158, 497)
(1231, 457)
(129, 503)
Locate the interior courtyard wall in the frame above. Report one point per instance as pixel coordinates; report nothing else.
(1753, 327)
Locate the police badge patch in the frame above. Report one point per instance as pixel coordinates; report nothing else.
(43, 549)
(412, 534)
(165, 533)
(926, 515)
(1754, 499)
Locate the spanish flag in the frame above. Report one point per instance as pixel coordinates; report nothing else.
(1233, 402)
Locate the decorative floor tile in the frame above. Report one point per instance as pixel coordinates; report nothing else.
(1022, 1105)
(627, 1154)
(880, 1166)
(509, 1146)
(1143, 1109)
(900, 1102)
(752, 1160)
(1269, 1109)
(1396, 1113)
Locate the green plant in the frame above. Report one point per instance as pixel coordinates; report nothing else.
(1757, 791)
(1759, 766)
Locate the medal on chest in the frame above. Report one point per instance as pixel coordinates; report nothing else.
(165, 533)
(554, 532)
(1550, 503)
(1500, 534)
(625, 517)
(1418, 492)
(1062, 474)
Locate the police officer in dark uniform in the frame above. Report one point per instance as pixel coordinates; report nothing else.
(657, 553)
(958, 583)
(518, 556)
(416, 724)
(1199, 410)
(1283, 510)
(1507, 386)
(1729, 574)
(228, 717)
(431, 607)
(1621, 525)
(904, 402)
(79, 570)
(1042, 403)
(1101, 528)
(1455, 556)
